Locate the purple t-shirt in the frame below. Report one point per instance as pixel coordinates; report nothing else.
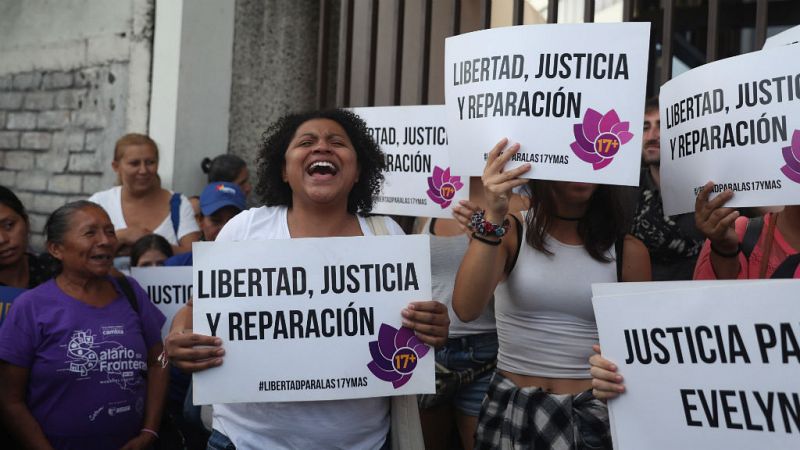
(87, 383)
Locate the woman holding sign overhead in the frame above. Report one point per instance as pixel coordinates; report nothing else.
(541, 276)
(319, 173)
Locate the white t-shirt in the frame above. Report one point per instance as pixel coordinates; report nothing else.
(111, 201)
(339, 424)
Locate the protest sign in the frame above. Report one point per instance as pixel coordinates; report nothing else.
(572, 95)
(788, 37)
(312, 319)
(735, 122)
(169, 288)
(7, 296)
(714, 366)
(419, 180)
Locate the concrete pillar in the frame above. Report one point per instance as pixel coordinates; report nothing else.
(190, 96)
(274, 67)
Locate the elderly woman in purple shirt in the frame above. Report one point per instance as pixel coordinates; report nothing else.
(78, 354)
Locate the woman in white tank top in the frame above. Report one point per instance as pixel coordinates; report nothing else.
(540, 396)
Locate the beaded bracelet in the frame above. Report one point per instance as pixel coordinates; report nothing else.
(483, 227)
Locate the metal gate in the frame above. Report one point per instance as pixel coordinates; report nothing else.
(391, 52)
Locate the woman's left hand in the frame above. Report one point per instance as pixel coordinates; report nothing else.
(463, 214)
(429, 320)
(606, 382)
(143, 441)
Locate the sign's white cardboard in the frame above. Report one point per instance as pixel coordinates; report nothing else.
(735, 122)
(572, 95)
(788, 37)
(419, 180)
(169, 288)
(312, 319)
(732, 340)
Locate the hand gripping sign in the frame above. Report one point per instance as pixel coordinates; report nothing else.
(312, 319)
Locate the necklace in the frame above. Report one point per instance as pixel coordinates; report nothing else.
(569, 219)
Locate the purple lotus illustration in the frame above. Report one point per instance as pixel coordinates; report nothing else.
(599, 137)
(395, 354)
(792, 156)
(442, 186)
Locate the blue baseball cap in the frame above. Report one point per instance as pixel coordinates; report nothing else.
(220, 194)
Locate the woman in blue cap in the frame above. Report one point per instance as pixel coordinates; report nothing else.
(219, 203)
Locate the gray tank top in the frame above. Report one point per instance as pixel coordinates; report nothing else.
(545, 320)
(446, 255)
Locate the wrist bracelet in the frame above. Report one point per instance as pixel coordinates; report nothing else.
(478, 237)
(163, 358)
(148, 430)
(732, 254)
(483, 227)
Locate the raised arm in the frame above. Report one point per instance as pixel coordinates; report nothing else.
(485, 262)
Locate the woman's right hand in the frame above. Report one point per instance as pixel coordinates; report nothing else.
(128, 236)
(714, 221)
(192, 352)
(497, 184)
(606, 382)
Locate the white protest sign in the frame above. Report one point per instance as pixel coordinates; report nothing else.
(734, 122)
(419, 180)
(705, 367)
(604, 289)
(788, 37)
(572, 95)
(169, 288)
(312, 319)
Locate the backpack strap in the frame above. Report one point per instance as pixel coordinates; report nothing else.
(619, 249)
(175, 212)
(377, 224)
(751, 234)
(127, 289)
(789, 268)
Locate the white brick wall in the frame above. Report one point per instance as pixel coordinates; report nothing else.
(57, 131)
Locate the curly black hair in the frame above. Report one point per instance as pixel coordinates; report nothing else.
(276, 192)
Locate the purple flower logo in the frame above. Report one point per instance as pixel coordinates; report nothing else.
(599, 137)
(792, 156)
(395, 354)
(443, 187)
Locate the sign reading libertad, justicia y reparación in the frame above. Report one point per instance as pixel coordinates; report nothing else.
(572, 95)
(419, 180)
(735, 122)
(312, 319)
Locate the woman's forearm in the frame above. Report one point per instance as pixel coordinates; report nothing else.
(185, 243)
(23, 426)
(14, 410)
(157, 382)
(480, 271)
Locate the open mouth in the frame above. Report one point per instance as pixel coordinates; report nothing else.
(102, 258)
(323, 168)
